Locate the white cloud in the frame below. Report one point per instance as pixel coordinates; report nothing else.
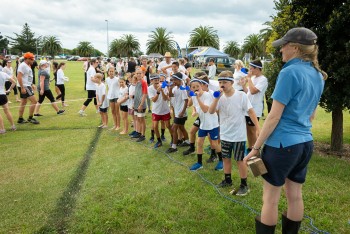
(74, 21)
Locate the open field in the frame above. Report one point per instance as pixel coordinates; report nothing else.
(67, 176)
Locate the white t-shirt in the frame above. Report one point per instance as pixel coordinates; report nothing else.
(91, 72)
(208, 121)
(164, 64)
(131, 93)
(113, 87)
(122, 93)
(60, 77)
(48, 69)
(100, 91)
(119, 66)
(232, 111)
(178, 101)
(160, 107)
(3, 78)
(214, 85)
(8, 71)
(27, 73)
(212, 72)
(257, 100)
(237, 76)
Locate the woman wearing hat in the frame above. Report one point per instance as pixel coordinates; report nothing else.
(287, 130)
(44, 89)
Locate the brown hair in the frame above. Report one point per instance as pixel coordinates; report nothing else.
(198, 74)
(60, 65)
(226, 73)
(310, 53)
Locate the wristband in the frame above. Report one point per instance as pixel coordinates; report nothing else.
(256, 148)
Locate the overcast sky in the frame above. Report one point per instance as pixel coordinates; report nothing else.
(73, 21)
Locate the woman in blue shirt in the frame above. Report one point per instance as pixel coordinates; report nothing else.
(287, 130)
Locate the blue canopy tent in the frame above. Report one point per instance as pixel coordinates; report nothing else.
(210, 51)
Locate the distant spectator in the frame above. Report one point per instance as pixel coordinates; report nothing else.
(131, 65)
(212, 69)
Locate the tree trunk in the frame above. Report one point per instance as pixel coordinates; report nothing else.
(337, 130)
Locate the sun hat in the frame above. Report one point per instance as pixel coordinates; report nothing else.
(167, 54)
(28, 55)
(42, 62)
(300, 35)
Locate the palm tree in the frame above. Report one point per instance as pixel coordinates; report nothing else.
(204, 36)
(253, 44)
(115, 48)
(232, 48)
(85, 49)
(265, 34)
(129, 44)
(51, 45)
(160, 41)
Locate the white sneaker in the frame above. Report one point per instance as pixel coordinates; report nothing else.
(82, 113)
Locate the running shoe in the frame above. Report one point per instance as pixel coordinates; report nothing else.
(196, 166)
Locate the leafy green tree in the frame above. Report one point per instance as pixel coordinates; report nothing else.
(51, 46)
(3, 43)
(232, 48)
(85, 49)
(115, 49)
(130, 44)
(253, 44)
(160, 41)
(330, 20)
(204, 36)
(24, 42)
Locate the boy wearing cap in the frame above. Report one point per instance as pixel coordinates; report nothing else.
(160, 108)
(232, 106)
(25, 79)
(180, 102)
(257, 85)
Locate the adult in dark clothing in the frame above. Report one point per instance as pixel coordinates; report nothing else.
(33, 66)
(131, 65)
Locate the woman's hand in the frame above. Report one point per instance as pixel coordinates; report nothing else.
(252, 153)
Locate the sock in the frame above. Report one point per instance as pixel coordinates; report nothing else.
(192, 146)
(220, 156)
(212, 152)
(159, 140)
(228, 178)
(163, 131)
(152, 134)
(187, 141)
(173, 146)
(30, 117)
(200, 158)
(244, 181)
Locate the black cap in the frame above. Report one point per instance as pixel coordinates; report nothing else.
(302, 36)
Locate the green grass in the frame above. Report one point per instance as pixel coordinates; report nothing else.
(66, 176)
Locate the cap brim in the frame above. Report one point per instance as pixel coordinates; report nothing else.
(279, 42)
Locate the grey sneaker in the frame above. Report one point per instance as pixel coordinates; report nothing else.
(33, 121)
(224, 184)
(212, 158)
(242, 191)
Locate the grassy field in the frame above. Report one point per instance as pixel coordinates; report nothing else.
(67, 176)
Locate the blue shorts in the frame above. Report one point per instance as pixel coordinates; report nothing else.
(213, 133)
(288, 162)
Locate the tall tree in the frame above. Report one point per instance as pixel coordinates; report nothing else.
(85, 49)
(24, 42)
(253, 45)
(130, 44)
(329, 20)
(115, 49)
(51, 45)
(204, 36)
(3, 43)
(232, 48)
(160, 41)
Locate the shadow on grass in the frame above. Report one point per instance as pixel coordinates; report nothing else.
(59, 218)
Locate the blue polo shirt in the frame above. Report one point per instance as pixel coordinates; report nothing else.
(299, 87)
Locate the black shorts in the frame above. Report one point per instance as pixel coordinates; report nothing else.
(114, 100)
(249, 121)
(103, 110)
(287, 162)
(180, 121)
(3, 99)
(29, 92)
(197, 122)
(237, 148)
(124, 108)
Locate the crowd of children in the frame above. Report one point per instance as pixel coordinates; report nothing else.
(226, 111)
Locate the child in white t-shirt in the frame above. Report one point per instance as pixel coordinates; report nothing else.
(123, 103)
(132, 85)
(209, 122)
(4, 101)
(232, 106)
(101, 98)
(112, 82)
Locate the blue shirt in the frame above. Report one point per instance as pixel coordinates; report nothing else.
(299, 87)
